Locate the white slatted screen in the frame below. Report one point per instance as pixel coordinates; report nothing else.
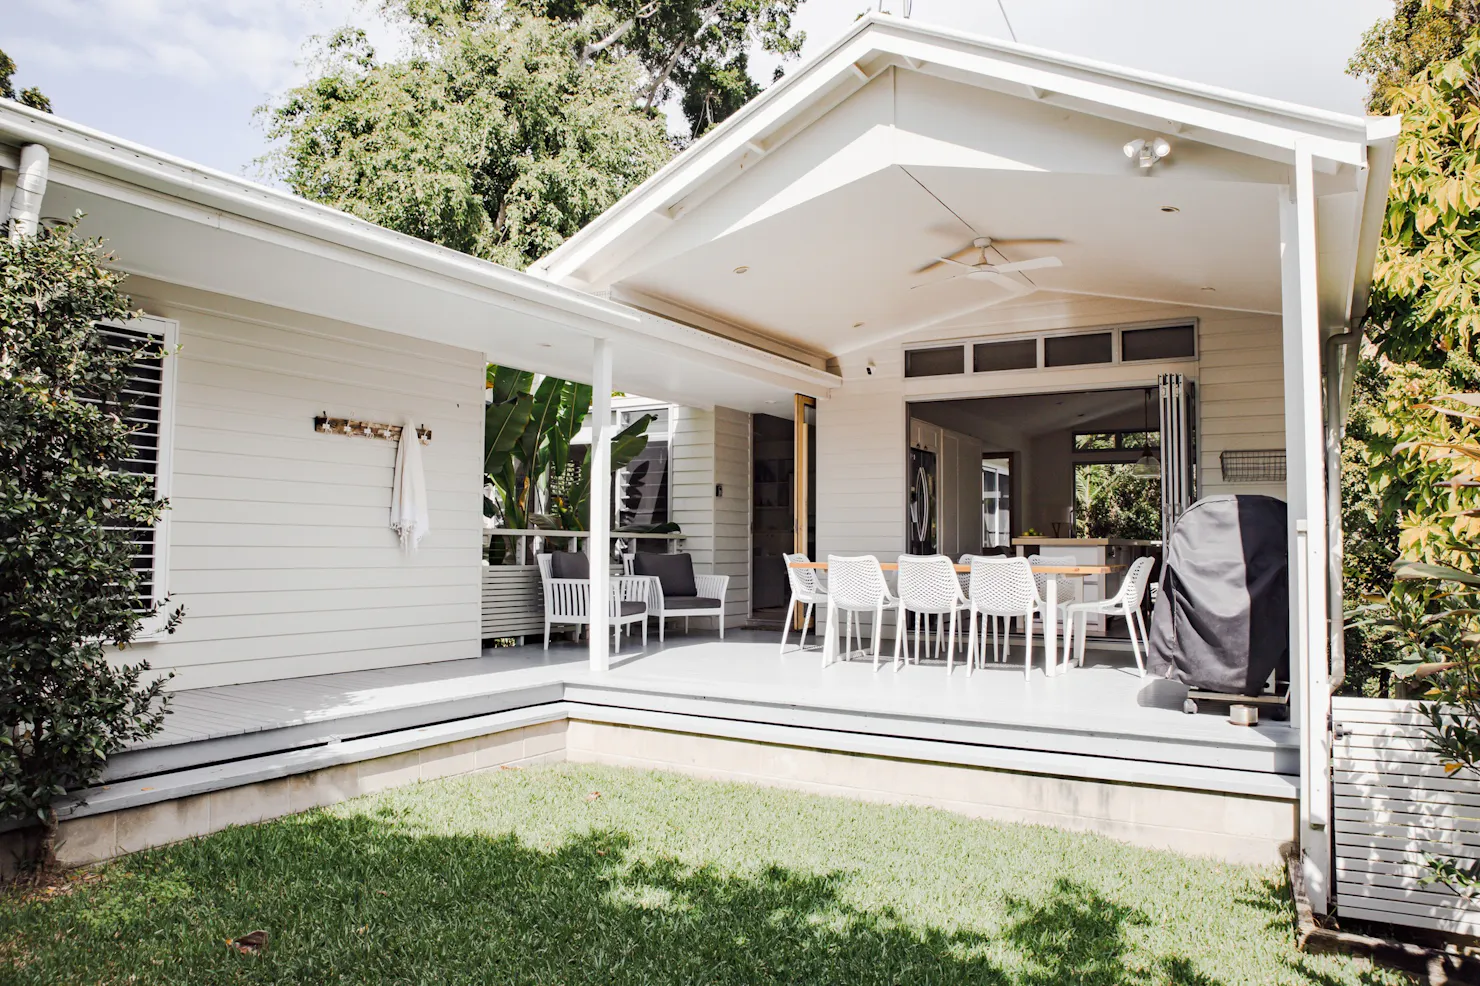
(1393, 806)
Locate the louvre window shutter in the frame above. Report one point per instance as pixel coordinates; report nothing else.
(145, 396)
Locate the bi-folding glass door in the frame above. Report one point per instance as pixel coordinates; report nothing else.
(1178, 447)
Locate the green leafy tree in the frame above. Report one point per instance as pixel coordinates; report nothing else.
(683, 44)
(30, 96)
(67, 513)
(711, 92)
(1420, 63)
(1431, 616)
(1425, 64)
(1110, 502)
(491, 139)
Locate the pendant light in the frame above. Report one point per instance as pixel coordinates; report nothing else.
(1147, 466)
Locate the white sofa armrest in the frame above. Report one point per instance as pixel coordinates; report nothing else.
(568, 597)
(712, 586)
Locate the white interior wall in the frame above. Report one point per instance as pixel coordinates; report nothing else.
(281, 549)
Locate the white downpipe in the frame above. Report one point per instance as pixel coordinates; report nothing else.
(598, 545)
(30, 185)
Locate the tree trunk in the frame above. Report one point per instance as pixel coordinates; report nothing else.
(590, 51)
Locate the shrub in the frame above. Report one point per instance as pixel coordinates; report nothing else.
(67, 511)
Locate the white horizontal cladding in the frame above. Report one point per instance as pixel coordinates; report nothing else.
(710, 452)
(861, 440)
(281, 547)
(1394, 808)
(1241, 396)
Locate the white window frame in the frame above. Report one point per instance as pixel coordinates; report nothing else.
(169, 331)
(1115, 330)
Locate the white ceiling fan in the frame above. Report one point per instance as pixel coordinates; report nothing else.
(985, 270)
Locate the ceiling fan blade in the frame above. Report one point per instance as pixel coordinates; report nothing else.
(931, 284)
(1040, 239)
(949, 259)
(1011, 284)
(1038, 263)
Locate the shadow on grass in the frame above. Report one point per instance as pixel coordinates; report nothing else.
(363, 899)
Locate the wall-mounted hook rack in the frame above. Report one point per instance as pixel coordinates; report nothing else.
(366, 429)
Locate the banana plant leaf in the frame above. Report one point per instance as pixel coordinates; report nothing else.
(503, 425)
(505, 382)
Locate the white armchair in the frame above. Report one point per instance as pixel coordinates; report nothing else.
(568, 600)
(674, 590)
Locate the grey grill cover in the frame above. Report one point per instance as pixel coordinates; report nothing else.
(1222, 616)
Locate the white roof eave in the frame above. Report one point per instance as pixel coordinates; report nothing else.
(96, 162)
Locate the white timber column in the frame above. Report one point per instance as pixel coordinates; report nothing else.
(1310, 699)
(598, 545)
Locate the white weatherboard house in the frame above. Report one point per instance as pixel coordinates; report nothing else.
(1202, 285)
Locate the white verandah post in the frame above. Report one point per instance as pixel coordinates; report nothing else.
(598, 545)
(1310, 699)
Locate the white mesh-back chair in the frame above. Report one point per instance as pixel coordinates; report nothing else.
(568, 600)
(1066, 588)
(927, 586)
(807, 592)
(1002, 588)
(1126, 604)
(855, 584)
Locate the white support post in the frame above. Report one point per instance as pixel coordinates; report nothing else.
(598, 545)
(1310, 700)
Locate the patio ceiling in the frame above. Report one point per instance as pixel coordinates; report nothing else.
(802, 223)
(853, 255)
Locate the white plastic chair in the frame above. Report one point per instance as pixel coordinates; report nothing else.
(807, 592)
(1002, 587)
(927, 586)
(855, 584)
(568, 602)
(1126, 604)
(1066, 588)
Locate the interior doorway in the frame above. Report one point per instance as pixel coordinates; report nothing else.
(1075, 474)
(783, 511)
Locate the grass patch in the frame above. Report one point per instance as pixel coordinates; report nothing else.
(531, 877)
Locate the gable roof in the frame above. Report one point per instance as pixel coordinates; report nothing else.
(1250, 125)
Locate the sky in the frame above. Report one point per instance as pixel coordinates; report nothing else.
(184, 76)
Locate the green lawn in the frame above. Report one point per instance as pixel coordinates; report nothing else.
(532, 877)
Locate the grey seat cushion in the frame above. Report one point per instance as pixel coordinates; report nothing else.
(632, 607)
(675, 573)
(570, 565)
(671, 603)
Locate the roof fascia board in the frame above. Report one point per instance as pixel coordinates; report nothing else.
(456, 283)
(833, 71)
(1382, 148)
(99, 164)
(89, 152)
(1152, 101)
(1184, 106)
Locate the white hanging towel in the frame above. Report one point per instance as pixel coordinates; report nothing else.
(409, 516)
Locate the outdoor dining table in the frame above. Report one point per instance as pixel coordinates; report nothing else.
(1051, 663)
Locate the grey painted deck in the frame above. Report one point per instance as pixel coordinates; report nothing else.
(1073, 720)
